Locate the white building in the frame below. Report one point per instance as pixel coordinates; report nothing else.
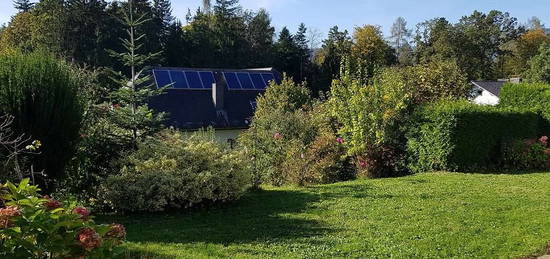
(487, 92)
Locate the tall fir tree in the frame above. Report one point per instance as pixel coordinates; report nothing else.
(23, 5)
(130, 112)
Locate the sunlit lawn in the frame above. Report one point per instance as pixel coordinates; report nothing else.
(436, 215)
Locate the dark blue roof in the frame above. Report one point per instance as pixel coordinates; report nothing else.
(195, 109)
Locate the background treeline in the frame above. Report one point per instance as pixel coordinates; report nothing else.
(222, 34)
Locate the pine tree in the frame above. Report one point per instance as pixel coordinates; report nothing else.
(303, 50)
(23, 5)
(130, 110)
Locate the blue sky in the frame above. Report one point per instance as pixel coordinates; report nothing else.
(323, 14)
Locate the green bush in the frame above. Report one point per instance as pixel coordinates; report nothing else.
(370, 119)
(281, 123)
(42, 94)
(539, 66)
(534, 97)
(460, 136)
(293, 139)
(32, 226)
(529, 154)
(172, 170)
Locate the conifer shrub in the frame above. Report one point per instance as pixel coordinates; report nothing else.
(41, 93)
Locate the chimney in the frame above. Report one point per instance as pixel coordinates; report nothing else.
(218, 92)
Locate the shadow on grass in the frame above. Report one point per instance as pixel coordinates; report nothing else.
(258, 216)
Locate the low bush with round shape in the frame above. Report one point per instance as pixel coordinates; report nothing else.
(173, 170)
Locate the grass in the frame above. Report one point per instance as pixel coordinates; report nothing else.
(436, 215)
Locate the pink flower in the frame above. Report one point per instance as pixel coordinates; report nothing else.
(362, 163)
(544, 140)
(6, 215)
(52, 204)
(89, 239)
(546, 151)
(116, 231)
(340, 140)
(278, 135)
(83, 212)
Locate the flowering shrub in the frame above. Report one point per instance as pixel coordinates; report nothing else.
(32, 226)
(323, 161)
(371, 119)
(528, 154)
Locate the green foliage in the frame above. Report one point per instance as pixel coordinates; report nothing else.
(281, 120)
(434, 80)
(172, 170)
(32, 226)
(539, 66)
(534, 97)
(531, 154)
(475, 42)
(458, 135)
(370, 117)
(42, 94)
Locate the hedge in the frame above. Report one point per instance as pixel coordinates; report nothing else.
(534, 97)
(460, 136)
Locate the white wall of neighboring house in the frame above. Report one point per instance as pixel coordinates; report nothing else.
(486, 98)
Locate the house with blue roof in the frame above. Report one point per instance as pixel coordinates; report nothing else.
(224, 99)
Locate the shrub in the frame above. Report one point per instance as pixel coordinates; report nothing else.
(32, 226)
(292, 139)
(530, 154)
(41, 93)
(172, 170)
(460, 136)
(431, 81)
(281, 123)
(534, 97)
(539, 66)
(370, 118)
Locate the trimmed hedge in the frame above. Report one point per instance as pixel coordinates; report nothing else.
(460, 136)
(534, 97)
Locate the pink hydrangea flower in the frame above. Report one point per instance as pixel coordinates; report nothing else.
(544, 140)
(83, 212)
(6, 215)
(116, 231)
(89, 239)
(52, 204)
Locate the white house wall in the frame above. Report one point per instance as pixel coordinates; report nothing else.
(486, 98)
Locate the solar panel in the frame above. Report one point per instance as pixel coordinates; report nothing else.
(232, 81)
(268, 78)
(258, 81)
(162, 77)
(193, 79)
(178, 78)
(207, 79)
(245, 80)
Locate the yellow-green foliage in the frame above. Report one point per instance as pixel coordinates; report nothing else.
(174, 170)
(534, 97)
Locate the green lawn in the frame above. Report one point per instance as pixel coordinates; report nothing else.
(436, 215)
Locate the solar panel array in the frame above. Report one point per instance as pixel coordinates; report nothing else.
(202, 80)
